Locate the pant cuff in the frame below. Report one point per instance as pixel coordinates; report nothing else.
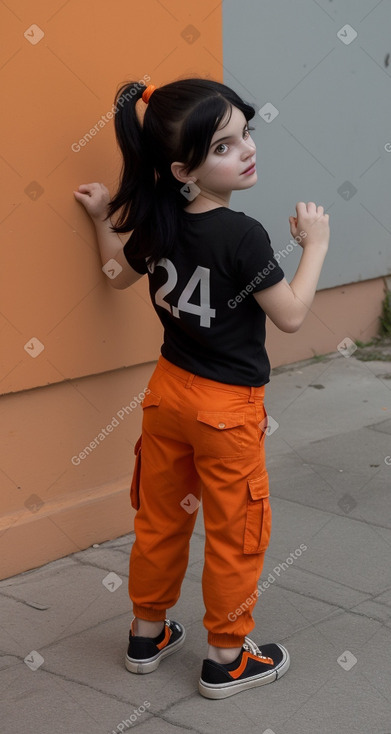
(151, 615)
(225, 640)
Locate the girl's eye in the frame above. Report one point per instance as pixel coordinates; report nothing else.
(246, 132)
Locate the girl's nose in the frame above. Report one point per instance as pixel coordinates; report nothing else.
(249, 147)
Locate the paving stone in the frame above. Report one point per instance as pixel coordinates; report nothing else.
(344, 474)
(71, 707)
(341, 549)
(95, 657)
(374, 610)
(76, 599)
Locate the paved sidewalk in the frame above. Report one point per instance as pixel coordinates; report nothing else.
(330, 604)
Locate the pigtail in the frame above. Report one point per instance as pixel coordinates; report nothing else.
(134, 196)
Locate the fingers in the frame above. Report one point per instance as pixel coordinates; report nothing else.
(302, 208)
(89, 188)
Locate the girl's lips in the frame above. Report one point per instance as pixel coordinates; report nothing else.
(249, 170)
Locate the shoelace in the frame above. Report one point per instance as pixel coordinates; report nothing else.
(250, 646)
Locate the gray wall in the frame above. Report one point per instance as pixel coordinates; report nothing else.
(329, 142)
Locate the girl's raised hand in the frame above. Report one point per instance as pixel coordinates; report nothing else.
(95, 198)
(313, 221)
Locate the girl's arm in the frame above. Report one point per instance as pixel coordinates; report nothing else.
(287, 304)
(95, 198)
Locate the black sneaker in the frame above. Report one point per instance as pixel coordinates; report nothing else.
(253, 667)
(145, 653)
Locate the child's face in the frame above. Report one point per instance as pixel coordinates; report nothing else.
(223, 169)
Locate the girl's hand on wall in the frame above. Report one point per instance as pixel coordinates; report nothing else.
(95, 198)
(310, 224)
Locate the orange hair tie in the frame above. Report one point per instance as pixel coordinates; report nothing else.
(147, 93)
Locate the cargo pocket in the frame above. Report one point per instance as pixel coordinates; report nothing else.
(151, 412)
(151, 398)
(135, 483)
(258, 516)
(220, 433)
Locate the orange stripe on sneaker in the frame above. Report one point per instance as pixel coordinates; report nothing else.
(248, 656)
(167, 637)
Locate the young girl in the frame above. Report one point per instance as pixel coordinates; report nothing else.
(213, 279)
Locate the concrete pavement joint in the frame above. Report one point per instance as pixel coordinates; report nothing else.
(124, 552)
(111, 545)
(105, 567)
(72, 634)
(83, 684)
(294, 366)
(332, 512)
(326, 578)
(290, 403)
(32, 605)
(52, 567)
(371, 683)
(77, 702)
(309, 698)
(86, 629)
(315, 626)
(9, 667)
(338, 607)
(382, 603)
(368, 616)
(339, 612)
(334, 612)
(181, 727)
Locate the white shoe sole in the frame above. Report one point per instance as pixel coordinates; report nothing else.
(148, 665)
(224, 690)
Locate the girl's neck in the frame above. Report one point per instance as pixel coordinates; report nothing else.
(203, 204)
(198, 210)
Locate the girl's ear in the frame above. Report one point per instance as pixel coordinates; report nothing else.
(180, 172)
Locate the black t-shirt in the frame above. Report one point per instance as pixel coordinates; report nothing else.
(203, 295)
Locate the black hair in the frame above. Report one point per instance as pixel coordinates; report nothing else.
(178, 125)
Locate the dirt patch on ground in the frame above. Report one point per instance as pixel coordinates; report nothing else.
(378, 349)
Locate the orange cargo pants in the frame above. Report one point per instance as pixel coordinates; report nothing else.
(200, 439)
